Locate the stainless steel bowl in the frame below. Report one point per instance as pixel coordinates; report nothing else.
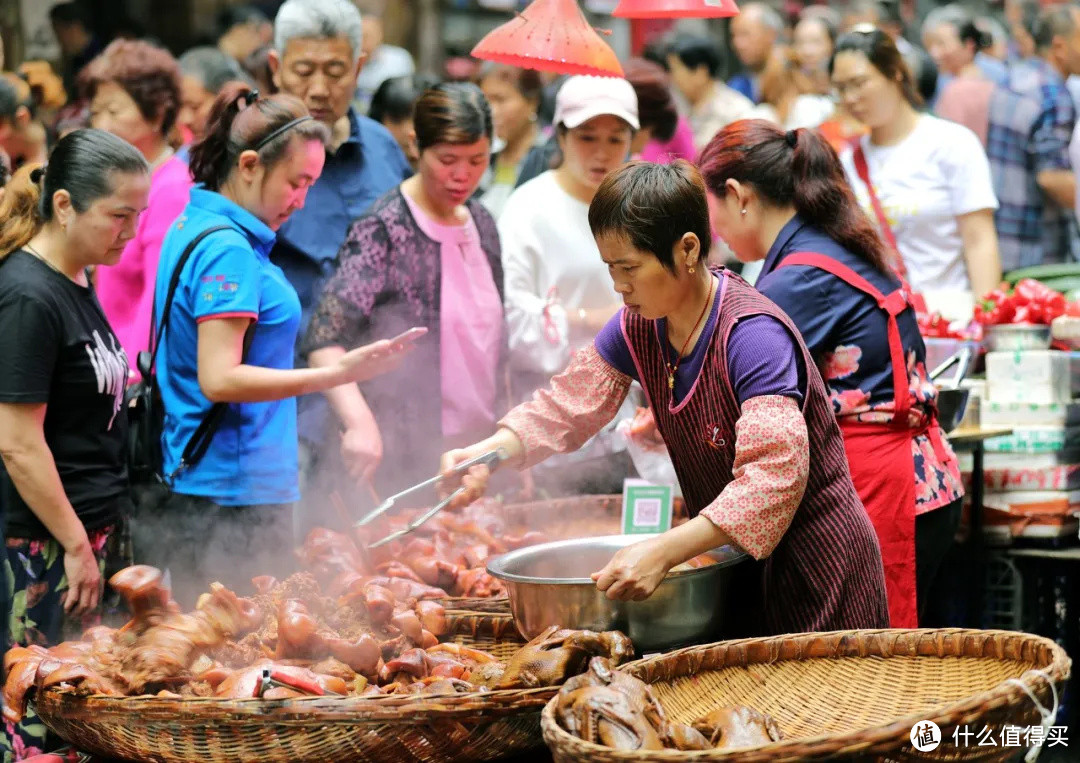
(1017, 337)
(550, 584)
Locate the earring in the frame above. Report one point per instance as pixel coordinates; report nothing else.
(533, 117)
(692, 271)
(744, 211)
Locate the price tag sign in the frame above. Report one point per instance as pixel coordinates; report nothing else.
(646, 507)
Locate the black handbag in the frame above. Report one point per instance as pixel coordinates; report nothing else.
(146, 414)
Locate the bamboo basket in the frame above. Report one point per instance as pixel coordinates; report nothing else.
(851, 695)
(478, 726)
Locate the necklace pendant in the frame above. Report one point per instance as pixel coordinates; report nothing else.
(671, 381)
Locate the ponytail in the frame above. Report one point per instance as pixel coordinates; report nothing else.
(242, 121)
(20, 218)
(209, 160)
(795, 168)
(823, 197)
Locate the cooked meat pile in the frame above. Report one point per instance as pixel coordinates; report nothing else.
(447, 556)
(617, 710)
(358, 638)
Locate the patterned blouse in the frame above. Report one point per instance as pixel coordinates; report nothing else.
(846, 332)
(772, 461)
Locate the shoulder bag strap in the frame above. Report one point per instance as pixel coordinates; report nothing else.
(862, 169)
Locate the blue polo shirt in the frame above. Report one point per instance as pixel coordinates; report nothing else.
(252, 458)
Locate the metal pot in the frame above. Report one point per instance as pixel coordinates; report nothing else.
(550, 584)
(952, 400)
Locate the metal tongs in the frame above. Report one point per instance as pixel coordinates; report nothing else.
(491, 459)
(272, 678)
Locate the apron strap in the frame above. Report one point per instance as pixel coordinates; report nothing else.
(893, 304)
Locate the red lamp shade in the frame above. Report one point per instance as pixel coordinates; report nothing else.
(675, 9)
(550, 35)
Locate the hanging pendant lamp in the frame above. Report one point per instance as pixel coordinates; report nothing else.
(550, 35)
(676, 9)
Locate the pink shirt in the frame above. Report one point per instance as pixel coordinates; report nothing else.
(681, 146)
(126, 290)
(471, 327)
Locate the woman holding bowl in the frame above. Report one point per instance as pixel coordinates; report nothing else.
(740, 405)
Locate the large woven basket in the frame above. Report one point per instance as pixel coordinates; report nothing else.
(851, 695)
(479, 726)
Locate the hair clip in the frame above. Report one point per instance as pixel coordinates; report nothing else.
(792, 137)
(250, 97)
(37, 175)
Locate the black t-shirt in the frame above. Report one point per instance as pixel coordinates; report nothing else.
(57, 348)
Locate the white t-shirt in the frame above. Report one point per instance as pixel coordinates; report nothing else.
(549, 256)
(924, 183)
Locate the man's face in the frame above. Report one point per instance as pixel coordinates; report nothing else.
(69, 38)
(752, 40)
(1072, 46)
(320, 72)
(195, 105)
(373, 33)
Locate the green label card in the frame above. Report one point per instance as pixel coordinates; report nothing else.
(646, 507)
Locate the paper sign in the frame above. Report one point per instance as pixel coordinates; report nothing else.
(646, 507)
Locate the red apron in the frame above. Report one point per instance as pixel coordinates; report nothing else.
(879, 455)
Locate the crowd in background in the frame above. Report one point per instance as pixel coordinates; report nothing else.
(350, 198)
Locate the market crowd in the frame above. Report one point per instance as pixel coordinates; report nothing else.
(258, 224)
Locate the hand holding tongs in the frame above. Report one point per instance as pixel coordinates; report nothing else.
(491, 459)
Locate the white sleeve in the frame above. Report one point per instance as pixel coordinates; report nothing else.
(527, 308)
(967, 171)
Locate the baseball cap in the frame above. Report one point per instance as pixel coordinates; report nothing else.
(583, 97)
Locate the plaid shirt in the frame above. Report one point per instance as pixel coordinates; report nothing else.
(1029, 132)
(1014, 150)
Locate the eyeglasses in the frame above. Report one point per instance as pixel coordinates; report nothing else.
(854, 86)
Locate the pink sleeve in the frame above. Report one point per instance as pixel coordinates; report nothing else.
(576, 405)
(772, 464)
(126, 289)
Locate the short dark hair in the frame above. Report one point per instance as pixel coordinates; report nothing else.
(237, 15)
(698, 50)
(525, 81)
(395, 99)
(9, 100)
(453, 112)
(148, 73)
(211, 67)
(1054, 21)
(65, 14)
(653, 206)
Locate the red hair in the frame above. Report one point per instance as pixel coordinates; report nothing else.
(797, 168)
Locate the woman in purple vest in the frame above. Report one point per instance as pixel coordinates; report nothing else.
(739, 402)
